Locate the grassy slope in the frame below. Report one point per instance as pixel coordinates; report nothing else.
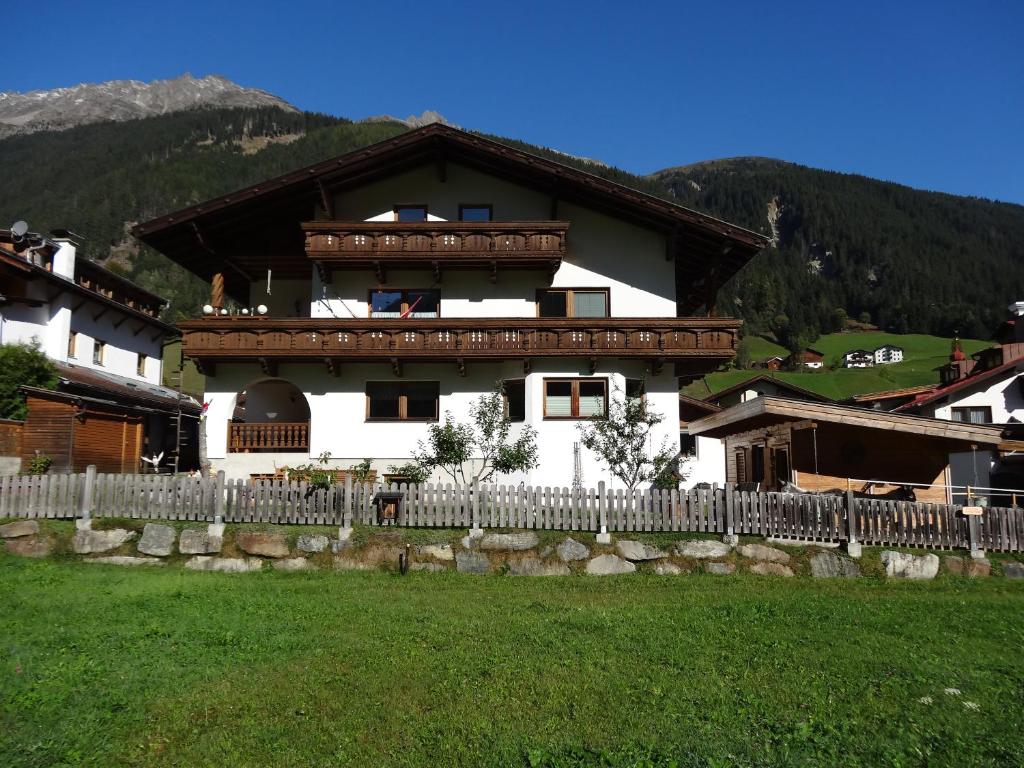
(923, 355)
(105, 666)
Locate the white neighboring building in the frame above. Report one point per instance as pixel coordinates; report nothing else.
(432, 266)
(888, 354)
(858, 358)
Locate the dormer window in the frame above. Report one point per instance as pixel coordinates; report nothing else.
(410, 213)
(475, 212)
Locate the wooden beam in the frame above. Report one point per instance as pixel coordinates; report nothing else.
(494, 273)
(396, 367)
(205, 367)
(326, 200)
(268, 366)
(461, 364)
(436, 267)
(120, 322)
(101, 313)
(378, 269)
(592, 365)
(527, 367)
(657, 365)
(139, 330)
(333, 366)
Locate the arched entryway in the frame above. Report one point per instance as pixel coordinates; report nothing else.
(271, 416)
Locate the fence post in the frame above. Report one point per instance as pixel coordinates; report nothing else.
(974, 535)
(853, 546)
(218, 498)
(730, 537)
(345, 531)
(603, 537)
(85, 509)
(477, 529)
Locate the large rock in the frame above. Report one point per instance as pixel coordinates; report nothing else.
(157, 540)
(763, 553)
(294, 564)
(720, 569)
(472, 562)
(901, 565)
(968, 566)
(702, 549)
(768, 568)
(609, 565)
(637, 551)
(442, 552)
(263, 543)
(88, 541)
(224, 564)
(30, 547)
(1011, 569)
(312, 543)
(196, 542)
(534, 566)
(571, 550)
(829, 565)
(508, 542)
(125, 560)
(19, 528)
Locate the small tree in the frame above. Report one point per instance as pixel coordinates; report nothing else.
(450, 446)
(621, 438)
(22, 364)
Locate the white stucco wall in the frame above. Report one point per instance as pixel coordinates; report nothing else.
(1004, 396)
(708, 466)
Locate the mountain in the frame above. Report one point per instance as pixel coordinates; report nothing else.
(844, 245)
(63, 108)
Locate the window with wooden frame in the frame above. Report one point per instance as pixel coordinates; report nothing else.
(978, 414)
(687, 444)
(72, 343)
(405, 302)
(757, 463)
(99, 350)
(402, 400)
(740, 457)
(410, 212)
(140, 364)
(572, 302)
(514, 395)
(575, 398)
(476, 212)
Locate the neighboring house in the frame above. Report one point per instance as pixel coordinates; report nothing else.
(702, 459)
(105, 336)
(760, 386)
(807, 358)
(888, 354)
(833, 448)
(357, 301)
(890, 399)
(771, 363)
(858, 358)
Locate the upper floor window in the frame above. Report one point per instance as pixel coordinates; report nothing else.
(973, 415)
(572, 302)
(475, 212)
(140, 364)
(410, 213)
(514, 393)
(72, 343)
(99, 350)
(575, 398)
(405, 302)
(402, 400)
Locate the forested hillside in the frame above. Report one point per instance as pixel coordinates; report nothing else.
(845, 245)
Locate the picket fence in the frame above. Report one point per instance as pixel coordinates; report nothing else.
(811, 517)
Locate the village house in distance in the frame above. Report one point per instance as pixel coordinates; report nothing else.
(366, 296)
(105, 338)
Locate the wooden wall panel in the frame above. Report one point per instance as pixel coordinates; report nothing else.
(49, 430)
(110, 441)
(10, 437)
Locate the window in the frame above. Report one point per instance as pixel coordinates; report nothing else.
(973, 415)
(780, 466)
(72, 343)
(99, 348)
(575, 398)
(410, 213)
(514, 391)
(740, 455)
(475, 212)
(757, 463)
(140, 364)
(687, 444)
(402, 401)
(403, 302)
(573, 302)
(635, 389)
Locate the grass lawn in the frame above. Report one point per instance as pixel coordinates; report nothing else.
(105, 666)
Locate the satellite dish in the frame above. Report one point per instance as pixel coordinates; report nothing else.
(18, 230)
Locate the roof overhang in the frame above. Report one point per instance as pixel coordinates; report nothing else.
(764, 412)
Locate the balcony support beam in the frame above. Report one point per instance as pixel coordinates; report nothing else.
(396, 367)
(460, 363)
(333, 366)
(268, 366)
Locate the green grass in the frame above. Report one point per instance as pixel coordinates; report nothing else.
(923, 355)
(107, 667)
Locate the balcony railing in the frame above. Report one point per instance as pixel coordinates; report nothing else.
(536, 244)
(263, 338)
(281, 437)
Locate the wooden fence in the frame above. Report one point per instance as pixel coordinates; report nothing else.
(812, 517)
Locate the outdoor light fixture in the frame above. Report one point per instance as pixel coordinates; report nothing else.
(262, 309)
(207, 309)
(224, 311)
(245, 311)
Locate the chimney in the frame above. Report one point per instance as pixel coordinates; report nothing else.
(64, 258)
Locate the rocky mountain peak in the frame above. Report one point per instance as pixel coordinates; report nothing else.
(62, 108)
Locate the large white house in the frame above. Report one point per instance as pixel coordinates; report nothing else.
(370, 295)
(105, 337)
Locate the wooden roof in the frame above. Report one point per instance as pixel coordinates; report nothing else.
(767, 411)
(246, 232)
(714, 397)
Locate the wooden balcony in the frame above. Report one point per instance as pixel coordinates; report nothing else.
(436, 245)
(272, 437)
(702, 342)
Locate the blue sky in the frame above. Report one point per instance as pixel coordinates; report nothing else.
(929, 94)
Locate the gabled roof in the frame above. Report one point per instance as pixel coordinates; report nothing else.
(892, 394)
(78, 379)
(783, 385)
(252, 229)
(965, 383)
(703, 405)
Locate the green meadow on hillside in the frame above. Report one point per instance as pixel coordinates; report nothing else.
(923, 354)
